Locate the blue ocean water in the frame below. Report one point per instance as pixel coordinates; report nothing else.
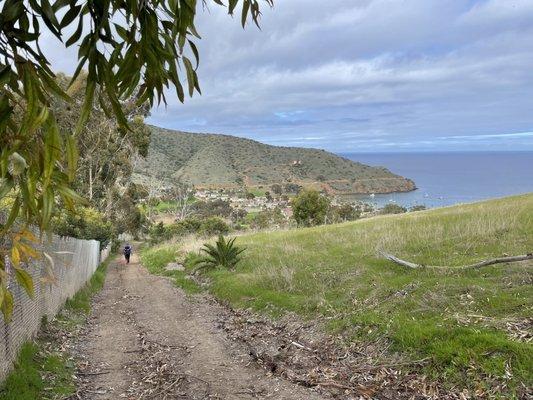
(451, 178)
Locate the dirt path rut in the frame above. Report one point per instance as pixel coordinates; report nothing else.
(147, 340)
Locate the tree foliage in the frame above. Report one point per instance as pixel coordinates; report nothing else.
(392, 208)
(86, 223)
(310, 207)
(132, 51)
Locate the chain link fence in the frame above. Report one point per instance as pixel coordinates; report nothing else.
(74, 262)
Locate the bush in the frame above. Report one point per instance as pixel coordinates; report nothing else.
(292, 188)
(276, 189)
(419, 207)
(223, 254)
(310, 208)
(268, 218)
(343, 213)
(392, 208)
(86, 223)
(213, 226)
(205, 209)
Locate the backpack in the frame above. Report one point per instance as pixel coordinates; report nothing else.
(127, 250)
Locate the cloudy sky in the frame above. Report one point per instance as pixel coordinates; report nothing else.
(367, 75)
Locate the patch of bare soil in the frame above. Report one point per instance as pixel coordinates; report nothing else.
(147, 340)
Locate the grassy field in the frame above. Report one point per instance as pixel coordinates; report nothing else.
(467, 322)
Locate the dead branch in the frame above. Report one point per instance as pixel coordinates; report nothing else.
(399, 261)
(93, 373)
(492, 261)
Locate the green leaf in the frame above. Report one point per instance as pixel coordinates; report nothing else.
(5, 75)
(12, 10)
(52, 85)
(195, 52)
(72, 156)
(7, 305)
(190, 75)
(6, 185)
(76, 35)
(87, 105)
(47, 206)
(25, 280)
(70, 15)
(13, 214)
(231, 6)
(245, 9)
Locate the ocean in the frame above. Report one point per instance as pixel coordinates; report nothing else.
(451, 178)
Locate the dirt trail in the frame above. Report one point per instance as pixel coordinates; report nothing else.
(147, 340)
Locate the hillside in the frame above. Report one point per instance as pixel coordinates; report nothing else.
(467, 329)
(221, 161)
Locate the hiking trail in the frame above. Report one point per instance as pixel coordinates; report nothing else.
(146, 339)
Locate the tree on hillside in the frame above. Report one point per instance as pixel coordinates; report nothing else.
(131, 51)
(343, 213)
(182, 194)
(310, 208)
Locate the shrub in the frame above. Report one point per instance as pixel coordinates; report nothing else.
(212, 208)
(239, 215)
(392, 208)
(345, 212)
(276, 189)
(213, 226)
(309, 208)
(292, 188)
(267, 218)
(419, 207)
(223, 254)
(86, 223)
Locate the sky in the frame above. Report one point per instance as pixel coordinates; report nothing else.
(366, 76)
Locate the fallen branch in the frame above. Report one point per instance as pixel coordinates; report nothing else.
(301, 346)
(492, 261)
(399, 261)
(93, 373)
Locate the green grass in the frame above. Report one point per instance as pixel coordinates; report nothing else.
(39, 375)
(42, 371)
(334, 272)
(156, 258)
(81, 302)
(257, 192)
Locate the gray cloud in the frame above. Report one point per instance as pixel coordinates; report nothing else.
(363, 75)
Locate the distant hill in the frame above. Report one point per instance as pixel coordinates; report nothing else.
(223, 161)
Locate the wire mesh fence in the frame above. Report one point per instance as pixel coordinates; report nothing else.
(74, 262)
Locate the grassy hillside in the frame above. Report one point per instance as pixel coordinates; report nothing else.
(474, 325)
(207, 160)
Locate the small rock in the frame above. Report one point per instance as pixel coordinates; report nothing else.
(175, 267)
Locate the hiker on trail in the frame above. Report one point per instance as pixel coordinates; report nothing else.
(127, 253)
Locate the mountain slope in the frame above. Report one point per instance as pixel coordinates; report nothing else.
(222, 161)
